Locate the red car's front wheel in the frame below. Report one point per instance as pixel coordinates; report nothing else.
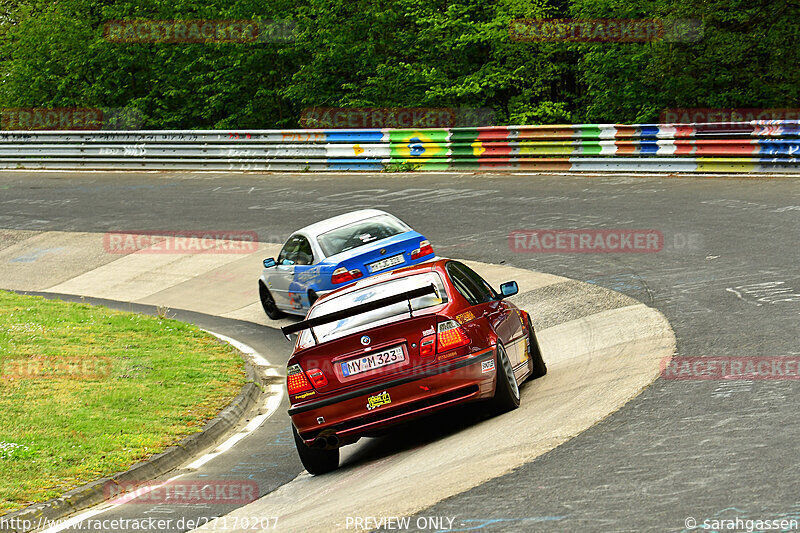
(506, 392)
(535, 360)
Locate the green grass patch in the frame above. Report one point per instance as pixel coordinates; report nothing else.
(86, 391)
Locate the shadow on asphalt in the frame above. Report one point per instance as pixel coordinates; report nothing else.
(422, 431)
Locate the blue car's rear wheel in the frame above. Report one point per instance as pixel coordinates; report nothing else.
(268, 303)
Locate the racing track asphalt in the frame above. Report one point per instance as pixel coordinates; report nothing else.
(727, 281)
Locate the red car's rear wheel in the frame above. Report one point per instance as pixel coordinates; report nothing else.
(316, 460)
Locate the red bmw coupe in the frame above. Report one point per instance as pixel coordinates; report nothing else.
(401, 345)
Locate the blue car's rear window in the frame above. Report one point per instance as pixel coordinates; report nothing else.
(360, 233)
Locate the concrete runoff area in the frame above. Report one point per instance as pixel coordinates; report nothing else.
(600, 354)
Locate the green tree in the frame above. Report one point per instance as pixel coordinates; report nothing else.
(743, 57)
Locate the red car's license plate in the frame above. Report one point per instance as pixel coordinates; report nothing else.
(373, 361)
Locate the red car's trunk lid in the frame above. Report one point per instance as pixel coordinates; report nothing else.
(371, 355)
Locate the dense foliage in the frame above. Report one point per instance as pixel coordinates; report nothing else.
(441, 53)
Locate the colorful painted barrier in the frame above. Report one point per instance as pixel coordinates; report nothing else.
(756, 146)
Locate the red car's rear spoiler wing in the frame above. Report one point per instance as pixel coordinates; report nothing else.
(358, 309)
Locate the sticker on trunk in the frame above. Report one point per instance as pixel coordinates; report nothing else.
(487, 366)
(373, 402)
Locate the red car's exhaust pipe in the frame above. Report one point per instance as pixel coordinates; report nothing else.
(326, 442)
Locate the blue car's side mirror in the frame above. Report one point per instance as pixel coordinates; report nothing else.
(509, 288)
(269, 262)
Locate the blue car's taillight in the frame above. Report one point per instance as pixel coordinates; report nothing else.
(424, 249)
(342, 275)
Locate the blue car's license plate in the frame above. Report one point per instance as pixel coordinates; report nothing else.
(386, 263)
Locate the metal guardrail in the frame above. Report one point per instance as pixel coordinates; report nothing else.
(755, 146)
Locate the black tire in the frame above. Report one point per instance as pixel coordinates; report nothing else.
(312, 297)
(316, 460)
(506, 392)
(268, 303)
(535, 361)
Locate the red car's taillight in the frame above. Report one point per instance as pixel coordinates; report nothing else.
(427, 346)
(342, 275)
(296, 380)
(318, 378)
(424, 249)
(449, 335)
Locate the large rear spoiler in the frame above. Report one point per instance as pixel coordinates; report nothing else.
(358, 309)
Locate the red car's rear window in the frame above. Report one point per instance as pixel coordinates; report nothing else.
(378, 317)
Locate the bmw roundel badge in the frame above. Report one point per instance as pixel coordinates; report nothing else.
(365, 340)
